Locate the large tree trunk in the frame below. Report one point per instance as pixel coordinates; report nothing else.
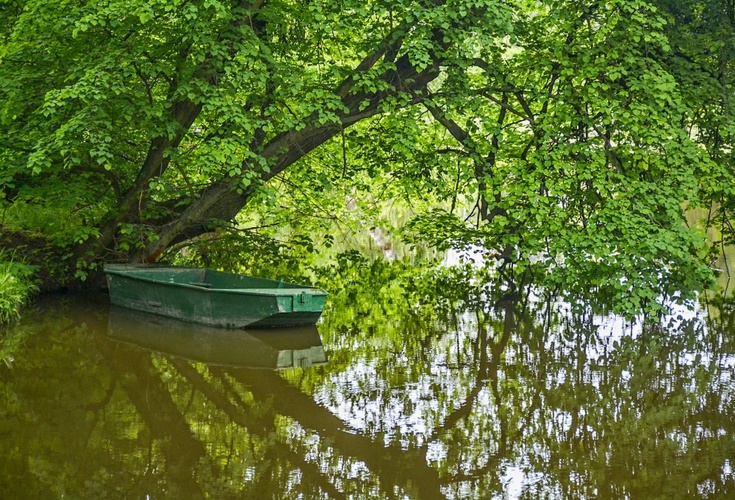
(224, 197)
(221, 201)
(184, 114)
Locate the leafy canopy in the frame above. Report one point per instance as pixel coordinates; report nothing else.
(566, 140)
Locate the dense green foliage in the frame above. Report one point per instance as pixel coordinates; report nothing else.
(16, 286)
(565, 140)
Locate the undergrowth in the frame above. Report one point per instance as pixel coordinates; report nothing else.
(17, 285)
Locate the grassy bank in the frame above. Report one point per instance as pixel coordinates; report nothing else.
(16, 287)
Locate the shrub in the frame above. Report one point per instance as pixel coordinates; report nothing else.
(17, 284)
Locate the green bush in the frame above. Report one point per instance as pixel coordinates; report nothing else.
(17, 284)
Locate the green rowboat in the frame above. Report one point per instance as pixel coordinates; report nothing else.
(213, 298)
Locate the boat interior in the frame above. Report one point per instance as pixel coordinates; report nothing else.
(207, 278)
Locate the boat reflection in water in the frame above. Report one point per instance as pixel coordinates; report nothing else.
(274, 349)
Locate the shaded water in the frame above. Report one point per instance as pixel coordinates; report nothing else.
(412, 403)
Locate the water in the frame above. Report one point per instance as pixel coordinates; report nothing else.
(389, 399)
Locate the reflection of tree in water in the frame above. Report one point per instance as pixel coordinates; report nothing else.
(573, 407)
(411, 404)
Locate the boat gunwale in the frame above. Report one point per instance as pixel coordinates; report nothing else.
(263, 292)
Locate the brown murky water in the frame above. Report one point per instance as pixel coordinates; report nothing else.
(495, 404)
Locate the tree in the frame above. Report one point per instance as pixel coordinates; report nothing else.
(174, 114)
(572, 127)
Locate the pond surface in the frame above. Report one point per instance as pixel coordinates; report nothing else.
(383, 400)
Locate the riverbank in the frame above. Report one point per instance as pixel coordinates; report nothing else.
(23, 273)
(17, 286)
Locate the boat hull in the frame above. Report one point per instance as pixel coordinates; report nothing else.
(213, 298)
